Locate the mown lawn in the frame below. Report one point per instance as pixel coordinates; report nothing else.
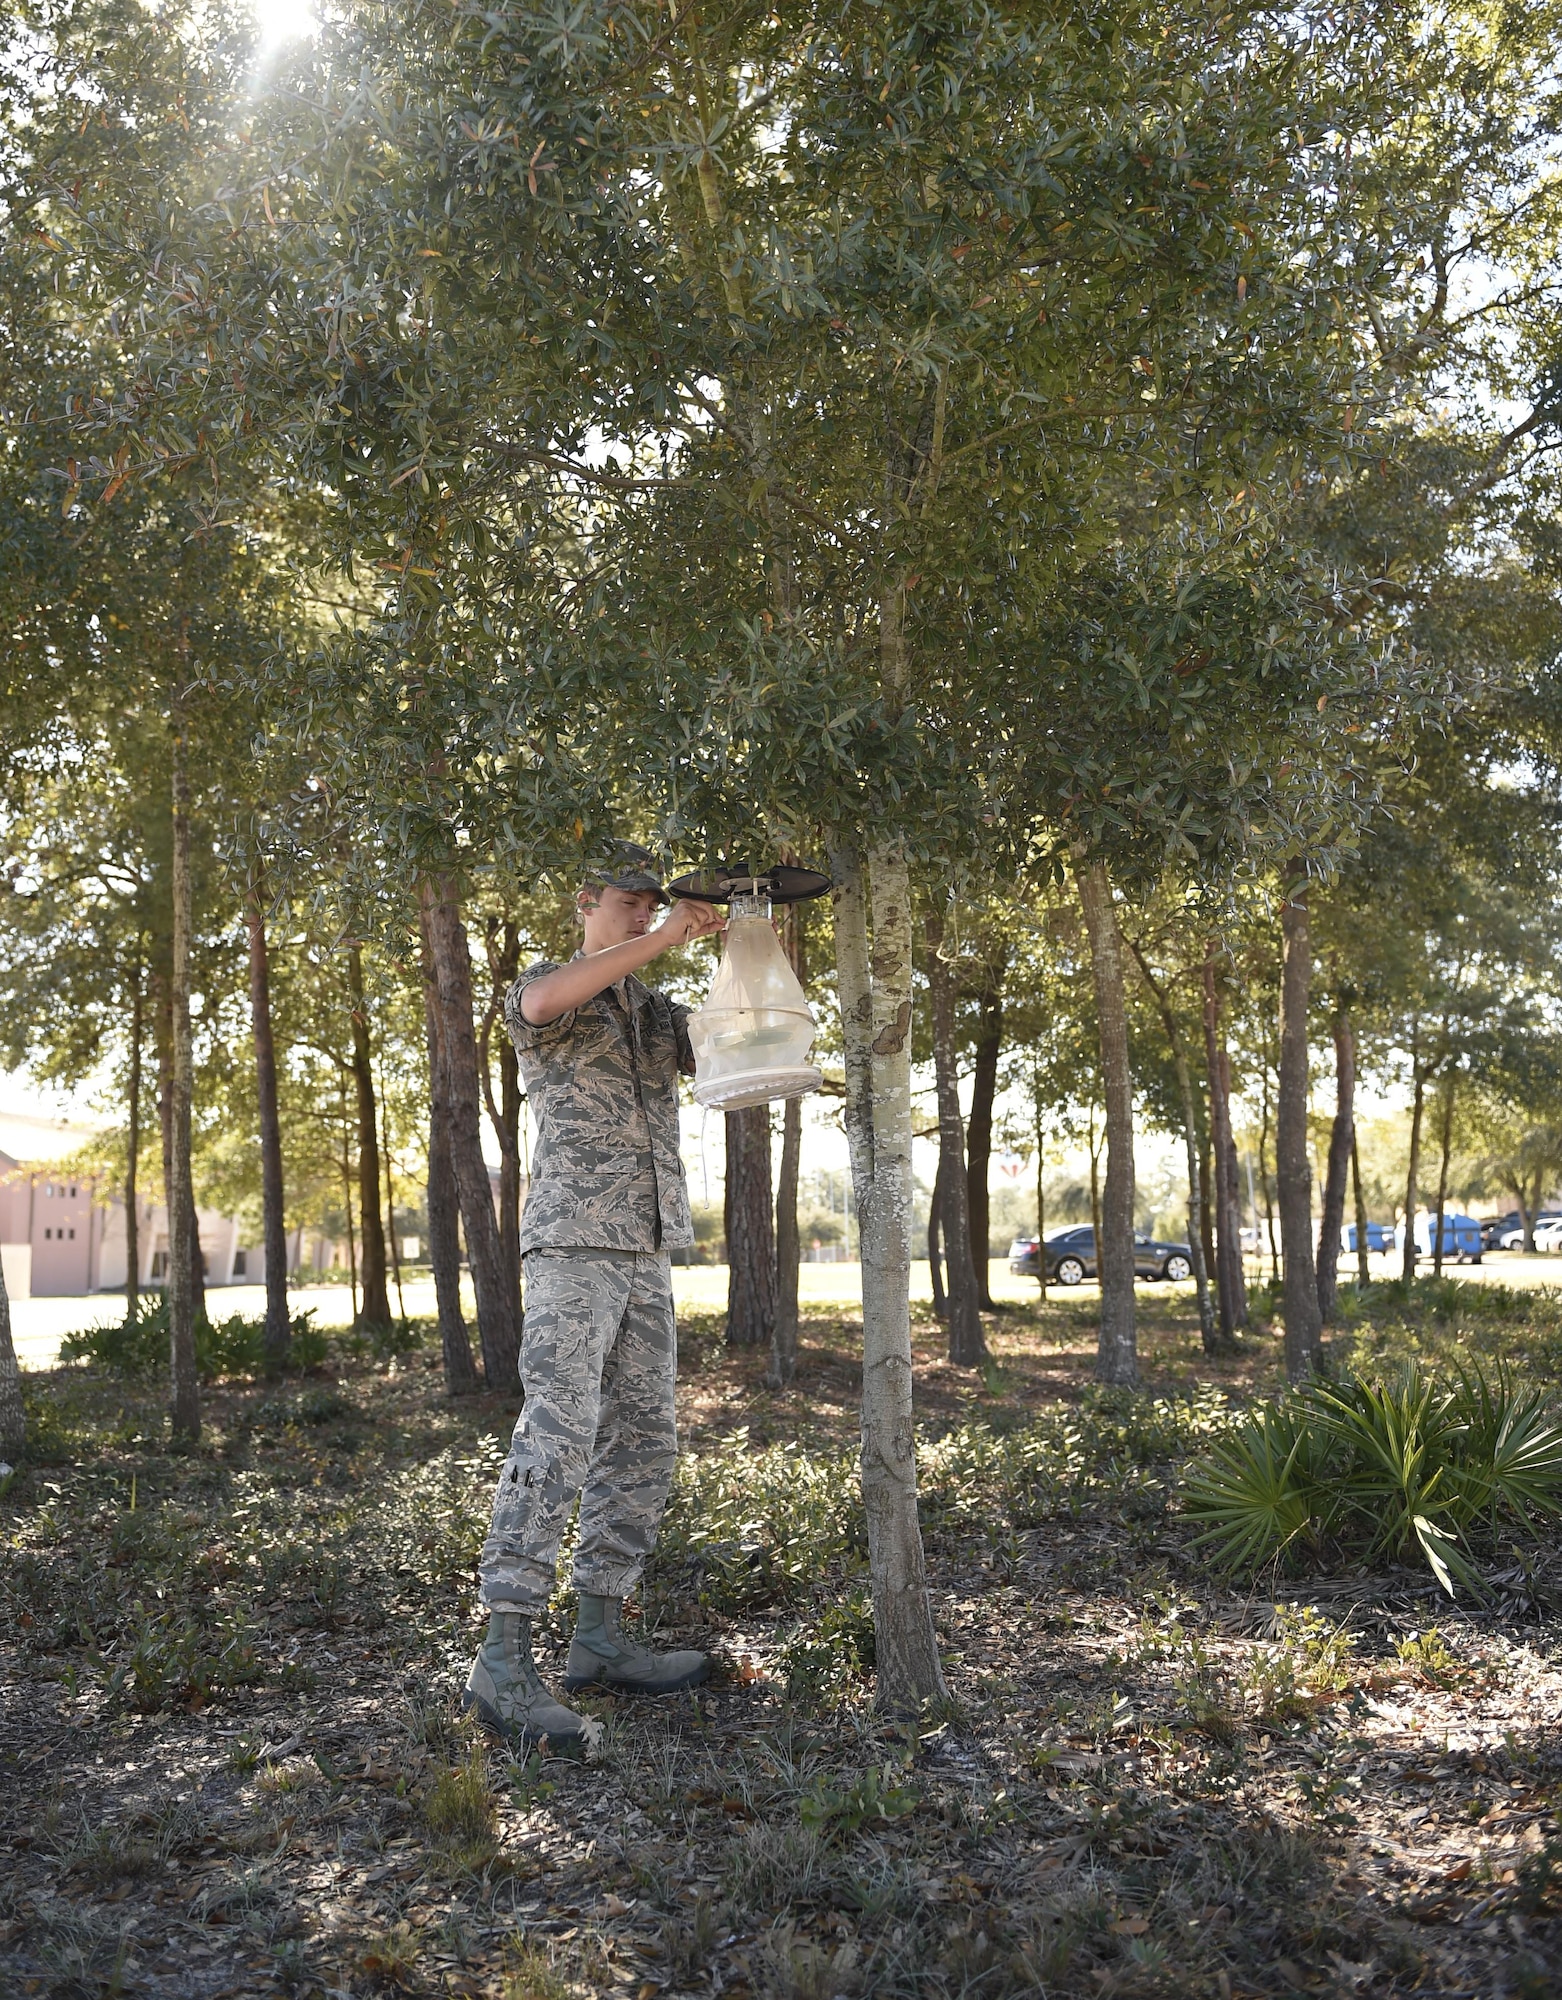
(232, 1765)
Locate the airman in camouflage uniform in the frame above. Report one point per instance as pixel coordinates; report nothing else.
(601, 1055)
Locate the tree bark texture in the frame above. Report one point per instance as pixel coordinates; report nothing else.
(133, 1142)
(783, 1332)
(967, 1346)
(1293, 1169)
(278, 1337)
(979, 1129)
(183, 1249)
(749, 1216)
(789, 1248)
(1117, 1350)
(163, 988)
(498, 1314)
(390, 1194)
(13, 1412)
(1041, 1200)
(375, 1309)
(874, 983)
(347, 1211)
(1363, 1251)
(1230, 1277)
(1264, 1181)
(935, 1255)
(1342, 1138)
(504, 964)
(1211, 1203)
(1407, 1268)
(444, 1235)
(1209, 1334)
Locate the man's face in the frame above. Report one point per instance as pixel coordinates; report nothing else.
(612, 916)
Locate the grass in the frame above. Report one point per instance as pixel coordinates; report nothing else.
(230, 1755)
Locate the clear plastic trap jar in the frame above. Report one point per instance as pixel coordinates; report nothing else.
(752, 1035)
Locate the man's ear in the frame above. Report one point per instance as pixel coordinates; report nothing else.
(586, 899)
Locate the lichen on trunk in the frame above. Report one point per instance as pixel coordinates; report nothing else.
(875, 998)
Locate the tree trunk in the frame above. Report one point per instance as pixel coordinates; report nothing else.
(278, 1337)
(789, 1248)
(183, 1244)
(1212, 1202)
(1117, 1352)
(935, 1261)
(783, 1333)
(1230, 1277)
(133, 1144)
(444, 1237)
(1209, 1335)
(390, 1193)
(504, 964)
(979, 1130)
(1450, 1085)
(967, 1347)
(1363, 1267)
(347, 1209)
(1407, 1267)
(498, 1316)
(13, 1412)
(1266, 1184)
(1095, 1144)
(165, 1116)
(1342, 1138)
(375, 1310)
(875, 999)
(1041, 1201)
(749, 1218)
(1293, 1168)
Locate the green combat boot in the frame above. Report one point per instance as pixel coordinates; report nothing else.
(600, 1653)
(507, 1696)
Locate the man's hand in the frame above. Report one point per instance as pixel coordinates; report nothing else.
(570, 986)
(685, 922)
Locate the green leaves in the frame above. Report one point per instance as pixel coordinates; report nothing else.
(1387, 1470)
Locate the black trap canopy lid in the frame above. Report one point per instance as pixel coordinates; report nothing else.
(719, 884)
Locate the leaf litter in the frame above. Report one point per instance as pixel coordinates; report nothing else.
(233, 1762)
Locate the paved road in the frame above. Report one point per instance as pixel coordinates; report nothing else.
(39, 1325)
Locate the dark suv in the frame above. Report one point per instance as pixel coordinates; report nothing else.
(1071, 1257)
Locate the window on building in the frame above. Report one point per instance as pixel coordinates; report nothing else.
(241, 1263)
(48, 1236)
(159, 1263)
(73, 1194)
(72, 1234)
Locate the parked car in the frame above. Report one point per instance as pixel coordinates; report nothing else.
(1496, 1227)
(1461, 1237)
(1071, 1257)
(1380, 1236)
(1513, 1239)
(1548, 1235)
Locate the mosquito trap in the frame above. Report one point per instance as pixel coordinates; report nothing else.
(752, 1035)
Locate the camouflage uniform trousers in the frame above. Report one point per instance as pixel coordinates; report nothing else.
(599, 1366)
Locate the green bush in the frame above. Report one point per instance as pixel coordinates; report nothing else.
(138, 1344)
(837, 1649)
(1397, 1469)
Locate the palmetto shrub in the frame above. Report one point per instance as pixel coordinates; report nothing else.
(1404, 1469)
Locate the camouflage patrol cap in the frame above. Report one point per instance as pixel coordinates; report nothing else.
(633, 868)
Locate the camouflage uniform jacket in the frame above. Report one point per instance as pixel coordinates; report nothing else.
(603, 1086)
